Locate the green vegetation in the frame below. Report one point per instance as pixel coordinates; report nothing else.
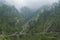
(8, 19)
(43, 25)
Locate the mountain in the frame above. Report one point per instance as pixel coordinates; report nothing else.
(27, 12)
(48, 21)
(27, 24)
(9, 18)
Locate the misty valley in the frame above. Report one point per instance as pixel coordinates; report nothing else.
(29, 24)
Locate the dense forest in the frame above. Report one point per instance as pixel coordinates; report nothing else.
(26, 24)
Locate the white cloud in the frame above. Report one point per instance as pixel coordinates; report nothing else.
(30, 3)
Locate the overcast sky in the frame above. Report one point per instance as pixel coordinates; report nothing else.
(30, 3)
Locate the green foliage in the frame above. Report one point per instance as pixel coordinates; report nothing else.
(48, 18)
(8, 19)
(48, 21)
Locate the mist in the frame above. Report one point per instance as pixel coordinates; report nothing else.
(29, 3)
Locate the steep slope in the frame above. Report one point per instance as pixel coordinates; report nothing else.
(10, 19)
(27, 13)
(48, 21)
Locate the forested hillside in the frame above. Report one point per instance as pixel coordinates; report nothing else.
(43, 24)
(27, 12)
(48, 20)
(9, 19)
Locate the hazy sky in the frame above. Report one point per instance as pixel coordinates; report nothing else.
(30, 3)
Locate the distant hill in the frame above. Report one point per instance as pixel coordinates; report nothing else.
(27, 12)
(48, 20)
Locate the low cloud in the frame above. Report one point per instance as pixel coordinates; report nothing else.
(30, 3)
